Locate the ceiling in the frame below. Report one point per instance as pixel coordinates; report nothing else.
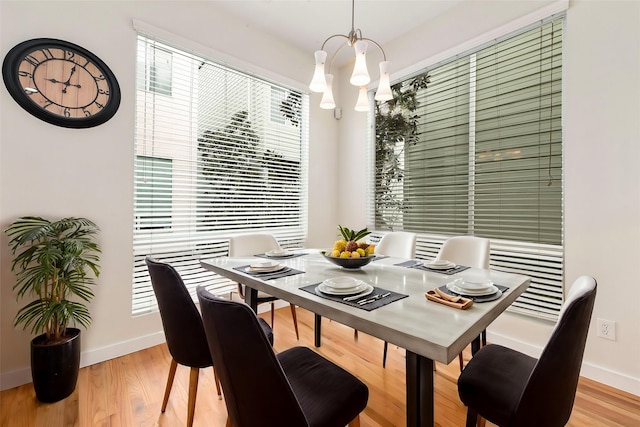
(307, 23)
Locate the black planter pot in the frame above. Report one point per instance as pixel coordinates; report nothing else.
(54, 367)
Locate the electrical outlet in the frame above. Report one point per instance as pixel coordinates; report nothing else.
(607, 329)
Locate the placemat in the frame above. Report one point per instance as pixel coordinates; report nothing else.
(280, 256)
(269, 275)
(420, 266)
(393, 296)
(483, 298)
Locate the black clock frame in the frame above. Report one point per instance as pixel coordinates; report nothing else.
(10, 68)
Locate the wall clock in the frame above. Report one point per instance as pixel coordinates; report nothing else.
(61, 83)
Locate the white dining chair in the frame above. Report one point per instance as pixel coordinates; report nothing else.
(470, 251)
(252, 244)
(399, 244)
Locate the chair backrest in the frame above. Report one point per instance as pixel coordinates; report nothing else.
(256, 390)
(181, 319)
(251, 244)
(400, 244)
(550, 392)
(471, 251)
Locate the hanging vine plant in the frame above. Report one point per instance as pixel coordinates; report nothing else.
(396, 129)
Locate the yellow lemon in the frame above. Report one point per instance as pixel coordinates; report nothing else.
(339, 245)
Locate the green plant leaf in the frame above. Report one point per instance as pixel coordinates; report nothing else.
(56, 262)
(361, 234)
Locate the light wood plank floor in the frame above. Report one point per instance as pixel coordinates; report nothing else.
(127, 391)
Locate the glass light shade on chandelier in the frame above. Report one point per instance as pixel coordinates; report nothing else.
(327, 101)
(360, 75)
(362, 104)
(319, 82)
(384, 87)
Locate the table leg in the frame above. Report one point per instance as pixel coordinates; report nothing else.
(251, 298)
(475, 345)
(419, 383)
(317, 328)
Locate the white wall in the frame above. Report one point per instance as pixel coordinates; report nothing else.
(51, 171)
(602, 154)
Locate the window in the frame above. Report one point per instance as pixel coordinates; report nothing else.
(277, 97)
(154, 69)
(474, 146)
(210, 163)
(153, 193)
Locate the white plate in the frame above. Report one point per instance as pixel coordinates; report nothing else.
(352, 290)
(275, 253)
(363, 288)
(439, 264)
(474, 286)
(264, 265)
(342, 282)
(461, 291)
(278, 267)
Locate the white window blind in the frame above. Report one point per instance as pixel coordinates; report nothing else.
(217, 152)
(485, 158)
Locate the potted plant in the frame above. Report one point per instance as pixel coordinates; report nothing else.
(53, 262)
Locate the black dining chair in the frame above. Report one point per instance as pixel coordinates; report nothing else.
(510, 388)
(296, 387)
(183, 330)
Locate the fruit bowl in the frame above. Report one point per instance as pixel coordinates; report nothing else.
(348, 262)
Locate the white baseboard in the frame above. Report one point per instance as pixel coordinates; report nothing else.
(15, 378)
(92, 357)
(22, 376)
(611, 378)
(588, 370)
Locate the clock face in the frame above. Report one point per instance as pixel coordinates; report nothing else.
(61, 83)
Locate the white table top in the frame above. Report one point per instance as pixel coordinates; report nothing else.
(424, 327)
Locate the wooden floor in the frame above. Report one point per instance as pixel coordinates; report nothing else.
(128, 391)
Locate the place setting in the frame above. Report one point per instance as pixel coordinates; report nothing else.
(474, 289)
(280, 254)
(353, 292)
(267, 270)
(439, 266)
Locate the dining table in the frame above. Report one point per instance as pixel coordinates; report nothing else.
(401, 314)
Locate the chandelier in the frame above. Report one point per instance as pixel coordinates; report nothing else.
(323, 83)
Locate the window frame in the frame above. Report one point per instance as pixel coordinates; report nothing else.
(539, 260)
(186, 241)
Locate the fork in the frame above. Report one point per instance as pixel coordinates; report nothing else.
(356, 297)
(374, 298)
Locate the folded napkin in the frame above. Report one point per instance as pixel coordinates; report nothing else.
(457, 302)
